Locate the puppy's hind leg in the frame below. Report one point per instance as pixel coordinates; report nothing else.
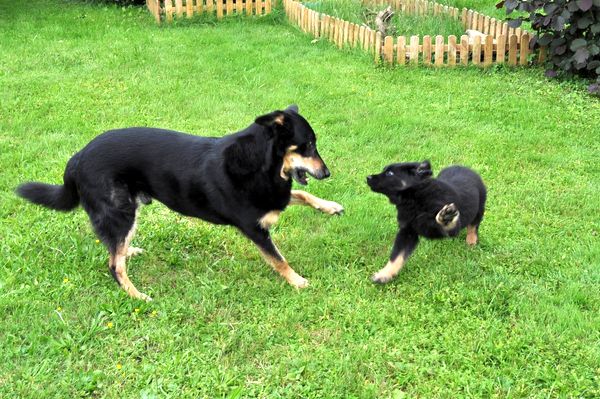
(300, 197)
(472, 236)
(448, 219)
(405, 244)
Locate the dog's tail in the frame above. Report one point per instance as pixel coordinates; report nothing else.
(55, 196)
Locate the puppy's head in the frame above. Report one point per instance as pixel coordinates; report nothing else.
(296, 143)
(399, 177)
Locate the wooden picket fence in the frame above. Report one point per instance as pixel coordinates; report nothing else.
(166, 10)
(499, 43)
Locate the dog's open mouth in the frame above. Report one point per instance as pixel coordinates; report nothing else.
(300, 176)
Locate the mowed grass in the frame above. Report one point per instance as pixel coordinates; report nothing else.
(400, 23)
(517, 316)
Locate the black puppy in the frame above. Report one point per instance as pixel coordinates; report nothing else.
(428, 207)
(243, 180)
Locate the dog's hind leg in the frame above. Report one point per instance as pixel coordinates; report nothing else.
(405, 243)
(113, 217)
(117, 265)
(271, 254)
(303, 198)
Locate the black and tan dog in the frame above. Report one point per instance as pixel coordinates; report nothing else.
(243, 180)
(428, 207)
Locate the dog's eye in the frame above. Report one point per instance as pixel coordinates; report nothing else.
(389, 173)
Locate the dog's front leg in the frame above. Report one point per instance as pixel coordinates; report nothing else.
(405, 243)
(271, 254)
(300, 197)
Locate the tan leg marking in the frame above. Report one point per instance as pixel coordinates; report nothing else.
(269, 219)
(472, 235)
(391, 269)
(283, 268)
(439, 218)
(120, 268)
(300, 197)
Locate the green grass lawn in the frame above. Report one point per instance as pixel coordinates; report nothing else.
(518, 316)
(400, 24)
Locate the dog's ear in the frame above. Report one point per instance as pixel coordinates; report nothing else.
(278, 123)
(424, 169)
(292, 108)
(275, 118)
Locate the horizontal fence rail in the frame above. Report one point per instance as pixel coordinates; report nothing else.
(166, 10)
(495, 42)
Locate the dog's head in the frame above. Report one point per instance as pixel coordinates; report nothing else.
(399, 177)
(296, 142)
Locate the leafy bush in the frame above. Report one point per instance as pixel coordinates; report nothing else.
(569, 29)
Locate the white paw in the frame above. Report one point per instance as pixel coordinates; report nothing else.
(132, 251)
(298, 281)
(330, 207)
(448, 215)
(381, 277)
(144, 297)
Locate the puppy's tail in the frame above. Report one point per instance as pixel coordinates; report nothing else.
(54, 196)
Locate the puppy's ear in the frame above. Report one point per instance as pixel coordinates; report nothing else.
(424, 169)
(292, 108)
(275, 118)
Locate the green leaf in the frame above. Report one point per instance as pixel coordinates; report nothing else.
(584, 5)
(577, 44)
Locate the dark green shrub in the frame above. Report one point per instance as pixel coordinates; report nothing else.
(569, 29)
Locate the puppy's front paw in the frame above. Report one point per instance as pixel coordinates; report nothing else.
(297, 280)
(330, 207)
(381, 277)
(448, 215)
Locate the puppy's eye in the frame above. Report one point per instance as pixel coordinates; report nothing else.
(389, 173)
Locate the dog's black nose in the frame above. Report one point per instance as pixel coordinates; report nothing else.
(369, 177)
(326, 173)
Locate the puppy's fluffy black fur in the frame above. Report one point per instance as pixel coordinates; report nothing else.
(234, 180)
(429, 207)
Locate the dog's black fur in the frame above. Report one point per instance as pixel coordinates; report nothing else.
(234, 180)
(429, 207)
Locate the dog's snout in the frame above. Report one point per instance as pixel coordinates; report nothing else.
(326, 172)
(369, 177)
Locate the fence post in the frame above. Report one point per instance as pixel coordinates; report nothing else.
(427, 50)
(524, 49)
(401, 50)
(378, 47)
(488, 50)
(388, 50)
(451, 50)
(500, 49)
(476, 50)
(414, 50)
(439, 50)
(512, 50)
